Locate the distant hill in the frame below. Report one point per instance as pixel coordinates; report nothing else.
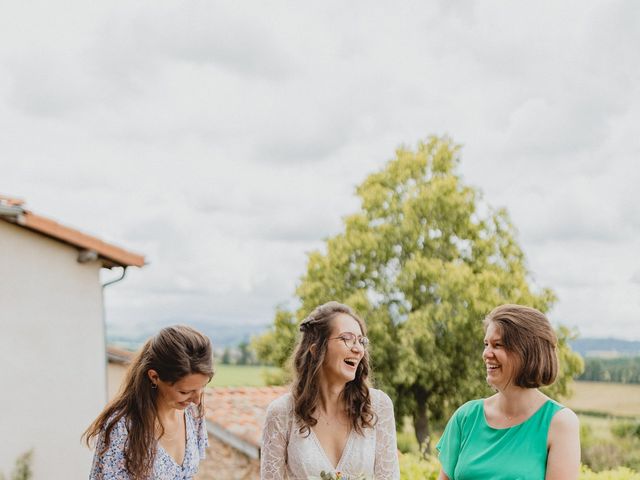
(221, 335)
(605, 347)
(231, 335)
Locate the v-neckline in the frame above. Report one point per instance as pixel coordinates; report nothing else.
(186, 445)
(345, 450)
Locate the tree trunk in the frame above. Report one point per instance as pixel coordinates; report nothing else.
(421, 420)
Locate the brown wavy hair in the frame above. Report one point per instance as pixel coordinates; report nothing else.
(174, 353)
(308, 358)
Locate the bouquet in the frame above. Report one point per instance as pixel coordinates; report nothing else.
(338, 476)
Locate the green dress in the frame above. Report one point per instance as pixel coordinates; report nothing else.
(472, 450)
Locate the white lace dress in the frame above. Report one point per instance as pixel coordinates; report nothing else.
(287, 454)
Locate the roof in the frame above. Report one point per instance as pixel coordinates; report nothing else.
(91, 248)
(235, 415)
(119, 355)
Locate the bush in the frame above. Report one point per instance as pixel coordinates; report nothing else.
(609, 444)
(22, 470)
(414, 467)
(617, 474)
(586, 435)
(626, 429)
(407, 442)
(602, 455)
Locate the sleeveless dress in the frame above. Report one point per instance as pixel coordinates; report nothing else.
(288, 454)
(470, 449)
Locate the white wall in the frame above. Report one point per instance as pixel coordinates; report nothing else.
(52, 353)
(115, 376)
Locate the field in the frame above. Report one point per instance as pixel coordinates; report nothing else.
(239, 376)
(608, 398)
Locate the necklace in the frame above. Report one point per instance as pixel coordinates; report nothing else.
(328, 421)
(523, 413)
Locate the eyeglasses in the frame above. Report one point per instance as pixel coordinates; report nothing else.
(351, 339)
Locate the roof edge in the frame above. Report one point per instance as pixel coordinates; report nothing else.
(110, 254)
(233, 440)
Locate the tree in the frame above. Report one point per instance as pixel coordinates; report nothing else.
(226, 356)
(246, 355)
(423, 261)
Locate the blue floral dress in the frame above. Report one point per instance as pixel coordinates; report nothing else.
(111, 465)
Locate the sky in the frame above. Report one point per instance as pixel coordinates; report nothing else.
(224, 140)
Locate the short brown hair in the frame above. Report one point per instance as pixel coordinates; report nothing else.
(529, 335)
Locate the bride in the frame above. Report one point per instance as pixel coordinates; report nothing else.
(332, 421)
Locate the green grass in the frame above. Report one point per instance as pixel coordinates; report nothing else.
(239, 376)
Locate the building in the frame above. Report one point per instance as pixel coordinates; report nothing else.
(118, 360)
(52, 339)
(235, 417)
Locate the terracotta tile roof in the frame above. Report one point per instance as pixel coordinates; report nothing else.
(11, 210)
(119, 355)
(241, 411)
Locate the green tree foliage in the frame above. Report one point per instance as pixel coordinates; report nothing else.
(423, 261)
(226, 356)
(619, 370)
(246, 354)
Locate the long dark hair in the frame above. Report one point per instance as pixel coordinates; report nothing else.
(174, 352)
(308, 358)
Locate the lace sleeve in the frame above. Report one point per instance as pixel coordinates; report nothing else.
(275, 437)
(386, 464)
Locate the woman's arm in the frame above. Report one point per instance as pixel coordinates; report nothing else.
(273, 456)
(563, 462)
(110, 463)
(386, 463)
(442, 476)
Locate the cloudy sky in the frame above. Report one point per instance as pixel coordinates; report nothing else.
(224, 139)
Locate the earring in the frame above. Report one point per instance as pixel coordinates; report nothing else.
(154, 385)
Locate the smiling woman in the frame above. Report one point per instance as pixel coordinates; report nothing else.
(519, 432)
(332, 421)
(155, 426)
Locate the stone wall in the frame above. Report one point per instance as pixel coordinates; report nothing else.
(226, 463)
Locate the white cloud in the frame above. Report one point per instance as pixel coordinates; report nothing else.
(224, 140)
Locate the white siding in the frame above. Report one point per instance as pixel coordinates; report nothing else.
(52, 353)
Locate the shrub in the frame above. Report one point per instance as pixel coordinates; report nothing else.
(602, 455)
(22, 469)
(407, 442)
(626, 429)
(414, 467)
(617, 474)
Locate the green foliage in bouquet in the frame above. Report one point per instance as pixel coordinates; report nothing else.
(339, 476)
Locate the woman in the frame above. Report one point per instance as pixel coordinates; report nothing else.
(331, 421)
(519, 432)
(155, 428)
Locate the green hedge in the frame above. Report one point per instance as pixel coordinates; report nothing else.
(413, 467)
(617, 474)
